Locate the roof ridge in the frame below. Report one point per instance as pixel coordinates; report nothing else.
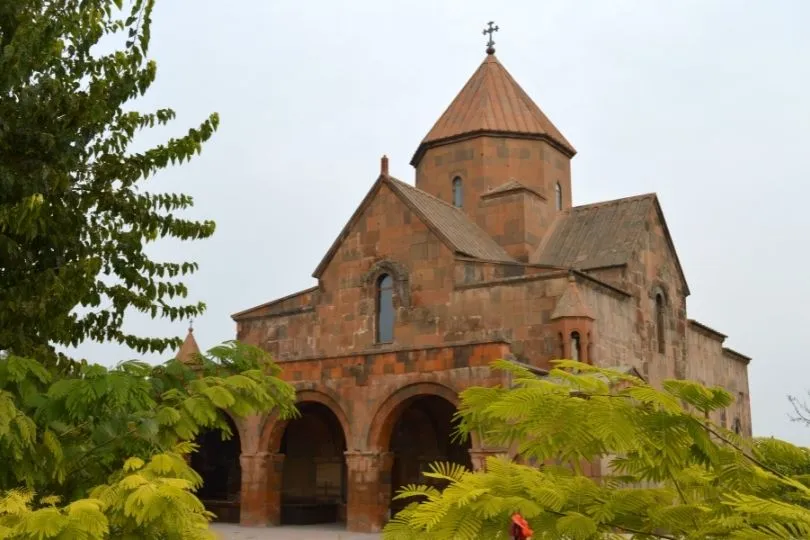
(602, 204)
(423, 192)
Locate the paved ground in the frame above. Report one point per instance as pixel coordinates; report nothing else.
(320, 532)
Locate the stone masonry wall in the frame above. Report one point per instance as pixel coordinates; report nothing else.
(615, 341)
(340, 317)
(516, 219)
(484, 163)
(712, 365)
(652, 270)
(366, 393)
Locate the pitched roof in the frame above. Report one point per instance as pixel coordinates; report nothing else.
(596, 235)
(463, 235)
(509, 187)
(571, 304)
(189, 349)
(449, 223)
(492, 102)
(601, 235)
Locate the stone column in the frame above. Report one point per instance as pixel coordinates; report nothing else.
(369, 490)
(260, 502)
(479, 456)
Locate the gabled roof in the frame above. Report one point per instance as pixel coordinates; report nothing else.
(602, 235)
(492, 102)
(449, 223)
(189, 349)
(571, 304)
(511, 186)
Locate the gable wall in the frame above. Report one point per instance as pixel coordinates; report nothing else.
(653, 268)
(343, 316)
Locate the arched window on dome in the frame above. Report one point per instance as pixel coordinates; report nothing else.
(385, 309)
(558, 196)
(458, 193)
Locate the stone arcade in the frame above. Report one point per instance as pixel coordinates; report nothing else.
(484, 258)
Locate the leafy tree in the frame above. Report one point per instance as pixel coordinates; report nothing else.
(100, 453)
(74, 219)
(667, 471)
(89, 452)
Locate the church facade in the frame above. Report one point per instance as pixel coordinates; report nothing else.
(484, 258)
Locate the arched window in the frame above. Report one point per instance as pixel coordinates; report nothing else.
(458, 193)
(660, 323)
(576, 347)
(558, 196)
(385, 309)
(737, 426)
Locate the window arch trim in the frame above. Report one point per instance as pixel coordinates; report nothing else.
(458, 192)
(385, 312)
(558, 196)
(660, 307)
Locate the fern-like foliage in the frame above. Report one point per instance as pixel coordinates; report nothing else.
(666, 471)
(99, 453)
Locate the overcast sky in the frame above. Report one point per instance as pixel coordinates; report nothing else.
(706, 102)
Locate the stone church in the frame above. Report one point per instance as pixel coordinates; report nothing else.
(483, 257)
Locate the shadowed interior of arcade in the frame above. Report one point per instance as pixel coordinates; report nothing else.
(423, 434)
(314, 474)
(217, 462)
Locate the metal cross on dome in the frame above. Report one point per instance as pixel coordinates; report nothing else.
(491, 29)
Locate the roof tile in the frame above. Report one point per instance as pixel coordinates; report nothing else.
(492, 101)
(596, 235)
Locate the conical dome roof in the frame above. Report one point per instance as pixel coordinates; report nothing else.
(492, 102)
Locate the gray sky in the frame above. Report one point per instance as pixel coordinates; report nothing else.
(706, 102)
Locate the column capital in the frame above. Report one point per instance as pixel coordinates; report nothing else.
(368, 460)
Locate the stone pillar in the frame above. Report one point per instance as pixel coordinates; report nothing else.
(479, 456)
(369, 490)
(260, 502)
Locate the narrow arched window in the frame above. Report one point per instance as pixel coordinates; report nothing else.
(458, 193)
(385, 309)
(576, 347)
(558, 196)
(660, 323)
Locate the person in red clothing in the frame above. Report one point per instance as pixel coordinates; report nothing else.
(520, 528)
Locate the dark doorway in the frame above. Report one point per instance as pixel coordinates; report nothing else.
(424, 434)
(217, 461)
(314, 478)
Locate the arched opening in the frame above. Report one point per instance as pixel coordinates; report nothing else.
(313, 485)
(385, 309)
(576, 347)
(660, 322)
(458, 192)
(423, 434)
(558, 196)
(217, 462)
